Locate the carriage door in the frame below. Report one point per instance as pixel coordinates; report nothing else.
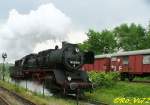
(135, 63)
(125, 64)
(115, 63)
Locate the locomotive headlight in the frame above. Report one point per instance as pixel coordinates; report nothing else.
(69, 78)
(77, 50)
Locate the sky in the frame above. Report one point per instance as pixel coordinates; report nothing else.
(49, 22)
(85, 14)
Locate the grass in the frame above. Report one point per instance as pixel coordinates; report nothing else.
(37, 98)
(113, 95)
(129, 91)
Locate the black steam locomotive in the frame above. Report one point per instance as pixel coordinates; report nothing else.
(60, 69)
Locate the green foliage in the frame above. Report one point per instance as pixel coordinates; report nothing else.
(130, 37)
(120, 89)
(125, 37)
(6, 70)
(104, 79)
(99, 42)
(84, 46)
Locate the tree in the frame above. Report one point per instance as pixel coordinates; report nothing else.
(130, 37)
(84, 46)
(147, 38)
(124, 37)
(100, 42)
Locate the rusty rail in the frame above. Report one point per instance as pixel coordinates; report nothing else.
(141, 81)
(3, 101)
(23, 99)
(83, 100)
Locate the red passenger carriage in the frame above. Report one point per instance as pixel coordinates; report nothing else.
(129, 64)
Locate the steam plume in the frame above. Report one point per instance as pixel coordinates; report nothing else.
(22, 32)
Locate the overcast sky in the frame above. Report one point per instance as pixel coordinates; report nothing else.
(85, 14)
(30, 25)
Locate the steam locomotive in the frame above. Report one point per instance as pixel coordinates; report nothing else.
(60, 69)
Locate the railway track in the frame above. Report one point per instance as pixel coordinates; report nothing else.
(8, 97)
(23, 101)
(83, 101)
(92, 102)
(3, 101)
(137, 81)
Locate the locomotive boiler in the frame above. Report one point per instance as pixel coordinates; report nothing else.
(60, 69)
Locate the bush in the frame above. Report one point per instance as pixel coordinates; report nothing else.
(103, 79)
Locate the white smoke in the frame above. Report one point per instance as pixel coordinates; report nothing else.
(23, 32)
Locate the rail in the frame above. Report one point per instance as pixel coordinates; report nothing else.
(3, 101)
(17, 96)
(140, 81)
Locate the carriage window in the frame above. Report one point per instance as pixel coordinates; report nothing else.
(113, 59)
(125, 60)
(146, 59)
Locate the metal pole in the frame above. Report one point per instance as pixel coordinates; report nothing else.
(43, 87)
(26, 85)
(1, 73)
(4, 56)
(3, 70)
(77, 96)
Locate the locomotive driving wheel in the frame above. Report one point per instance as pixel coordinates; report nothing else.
(50, 84)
